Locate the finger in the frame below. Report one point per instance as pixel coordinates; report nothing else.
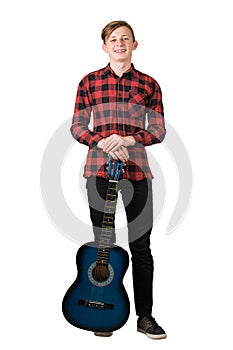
(108, 144)
(114, 156)
(125, 153)
(115, 145)
(112, 146)
(121, 155)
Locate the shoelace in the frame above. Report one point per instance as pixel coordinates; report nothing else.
(151, 322)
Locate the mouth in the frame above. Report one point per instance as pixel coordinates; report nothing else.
(120, 51)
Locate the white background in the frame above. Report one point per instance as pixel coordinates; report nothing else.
(46, 48)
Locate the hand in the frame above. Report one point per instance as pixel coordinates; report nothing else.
(114, 142)
(121, 153)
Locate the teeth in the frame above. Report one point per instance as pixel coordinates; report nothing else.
(120, 50)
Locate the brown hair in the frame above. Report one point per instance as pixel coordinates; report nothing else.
(110, 27)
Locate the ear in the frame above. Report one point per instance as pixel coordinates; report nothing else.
(135, 45)
(104, 47)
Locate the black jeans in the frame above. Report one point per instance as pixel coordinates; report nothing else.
(137, 199)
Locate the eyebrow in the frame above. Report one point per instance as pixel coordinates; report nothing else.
(114, 36)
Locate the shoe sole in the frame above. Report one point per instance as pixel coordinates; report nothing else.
(152, 336)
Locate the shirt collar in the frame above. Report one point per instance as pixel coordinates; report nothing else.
(129, 72)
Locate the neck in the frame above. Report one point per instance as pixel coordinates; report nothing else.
(120, 67)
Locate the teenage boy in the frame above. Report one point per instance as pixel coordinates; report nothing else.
(121, 99)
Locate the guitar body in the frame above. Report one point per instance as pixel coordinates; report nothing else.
(93, 303)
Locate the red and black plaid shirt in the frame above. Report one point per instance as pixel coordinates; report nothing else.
(130, 105)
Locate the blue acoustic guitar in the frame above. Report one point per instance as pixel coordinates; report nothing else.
(97, 300)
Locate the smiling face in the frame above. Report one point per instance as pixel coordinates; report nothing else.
(120, 45)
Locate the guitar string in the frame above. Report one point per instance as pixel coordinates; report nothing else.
(111, 208)
(97, 291)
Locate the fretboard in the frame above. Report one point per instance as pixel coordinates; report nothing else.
(107, 224)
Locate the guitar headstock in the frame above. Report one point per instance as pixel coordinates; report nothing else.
(115, 168)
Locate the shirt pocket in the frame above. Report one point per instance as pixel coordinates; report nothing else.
(137, 97)
(136, 103)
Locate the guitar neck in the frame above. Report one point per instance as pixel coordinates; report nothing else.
(108, 223)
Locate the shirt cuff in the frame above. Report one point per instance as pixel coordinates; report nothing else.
(138, 137)
(94, 140)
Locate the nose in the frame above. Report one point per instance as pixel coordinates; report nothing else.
(119, 42)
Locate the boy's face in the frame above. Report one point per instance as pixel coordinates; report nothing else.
(119, 45)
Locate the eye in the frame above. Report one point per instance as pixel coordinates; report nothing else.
(126, 38)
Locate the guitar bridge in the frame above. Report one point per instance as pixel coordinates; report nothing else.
(95, 304)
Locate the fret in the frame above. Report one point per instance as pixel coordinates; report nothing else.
(107, 228)
(103, 254)
(109, 199)
(107, 223)
(110, 210)
(110, 202)
(109, 215)
(102, 260)
(102, 263)
(104, 245)
(112, 186)
(105, 231)
(105, 239)
(108, 218)
(112, 192)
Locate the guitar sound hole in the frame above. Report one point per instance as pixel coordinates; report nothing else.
(100, 273)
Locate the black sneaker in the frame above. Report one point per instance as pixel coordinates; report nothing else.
(149, 326)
